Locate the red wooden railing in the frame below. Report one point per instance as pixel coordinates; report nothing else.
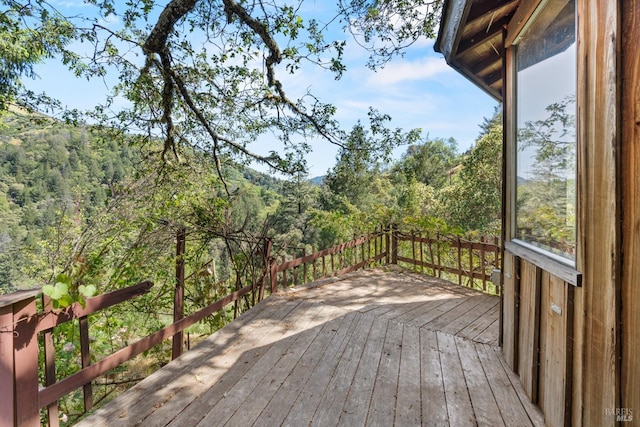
(21, 324)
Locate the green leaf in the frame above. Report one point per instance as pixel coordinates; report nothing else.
(87, 291)
(65, 300)
(48, 290)
(57, 291)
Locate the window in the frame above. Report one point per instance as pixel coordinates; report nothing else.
(546, 131)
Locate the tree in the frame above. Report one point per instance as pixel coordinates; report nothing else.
(430, 161)
(29, 32)
(472, 201)
(357, 176)
(208, 73)
(546, 194)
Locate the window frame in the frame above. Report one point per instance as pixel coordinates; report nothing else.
(555, 264)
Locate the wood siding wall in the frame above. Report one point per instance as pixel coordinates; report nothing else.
(566, 343)
(599, 208)
(631, 208)
(539, 342)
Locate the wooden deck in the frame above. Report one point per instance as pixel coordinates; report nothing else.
(370, 348)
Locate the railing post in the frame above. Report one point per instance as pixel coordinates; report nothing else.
(459, 261)
(7, 373)
(387, 246)
(266, 259)
(87, 389)
(413, 250)
(394, 244)
(19, 359)
(274, 276)
(49, 363)
(178, 295)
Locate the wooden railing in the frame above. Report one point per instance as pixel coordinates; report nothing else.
(21, 324)
(470, 263)
(366, 251)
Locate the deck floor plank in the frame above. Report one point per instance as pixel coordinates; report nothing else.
(461, 313)
(490, 334)
(434, 404)
(338, 389)
(222, 402)
(385, 389)
(484, 404)
(408, 411)
(456, 392)
(274, 389)
(426, 306)
(468, 317)
(511, 409)
(327, 360)
(356, 406)
(270, 384)
(438, 311)
(185, 376)
(535, 414)
(480, 324)
(368, 348)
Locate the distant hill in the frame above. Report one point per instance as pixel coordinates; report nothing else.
(48, 167)
(318, 180)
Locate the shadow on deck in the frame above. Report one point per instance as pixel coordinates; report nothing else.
(370, 348)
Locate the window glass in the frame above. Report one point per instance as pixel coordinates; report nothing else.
(546, 130)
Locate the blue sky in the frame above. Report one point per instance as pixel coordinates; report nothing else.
(418, 91)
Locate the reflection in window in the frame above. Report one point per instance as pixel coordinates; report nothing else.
(546, 139)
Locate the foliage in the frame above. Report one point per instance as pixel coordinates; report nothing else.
(473, 198)
(29, 33)
(546, 192)
(208, 75)
(356, 178)
(429, 162)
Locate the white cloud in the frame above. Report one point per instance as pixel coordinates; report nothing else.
(403, 71)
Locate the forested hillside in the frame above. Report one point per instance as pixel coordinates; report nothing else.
(74, 201)
(62, 186)
(49, 171)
